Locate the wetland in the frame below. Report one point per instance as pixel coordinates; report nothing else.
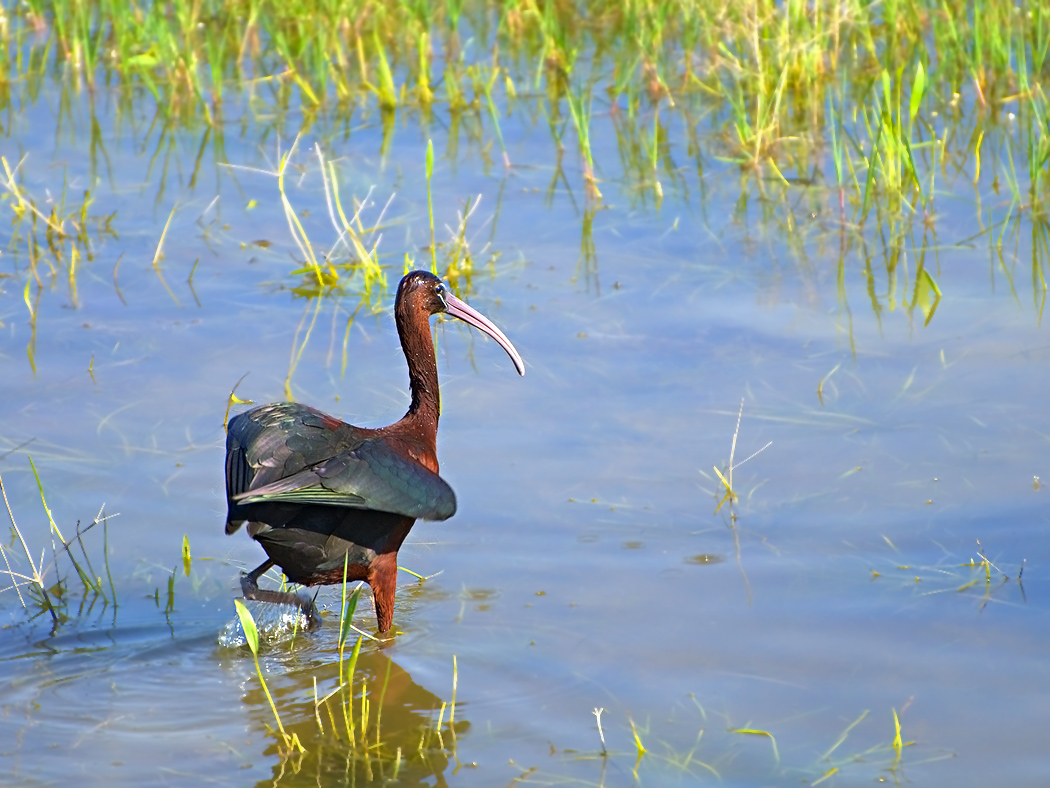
(766, 509)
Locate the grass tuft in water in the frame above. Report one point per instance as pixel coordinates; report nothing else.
(731, 494)
(352, 268)
(962, 578)
(49, 249)
(42, 593)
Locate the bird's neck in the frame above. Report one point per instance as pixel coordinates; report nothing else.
(422, 376)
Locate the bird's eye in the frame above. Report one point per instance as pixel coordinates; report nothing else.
(440, 289)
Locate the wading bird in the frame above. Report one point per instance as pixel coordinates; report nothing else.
(319, 494)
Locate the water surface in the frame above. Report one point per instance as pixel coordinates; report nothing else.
(587, 566)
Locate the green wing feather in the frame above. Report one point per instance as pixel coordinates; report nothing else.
(293, 455)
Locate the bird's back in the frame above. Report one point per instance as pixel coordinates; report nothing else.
(291, 453)
(273, 442)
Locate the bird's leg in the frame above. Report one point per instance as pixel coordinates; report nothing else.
(382, 577)
(250, 580)
(250, 589)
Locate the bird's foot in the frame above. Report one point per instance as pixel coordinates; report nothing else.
(250, 589)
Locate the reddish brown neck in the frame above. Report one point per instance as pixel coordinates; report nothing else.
(413, 327)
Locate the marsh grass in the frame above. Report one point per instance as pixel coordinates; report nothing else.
(842, 122)
(978, 575)
(771, 82)
(351, 269)
(45, 588)
(656, 753)
(50, 241)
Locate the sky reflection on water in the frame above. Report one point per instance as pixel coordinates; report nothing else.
(568, 576)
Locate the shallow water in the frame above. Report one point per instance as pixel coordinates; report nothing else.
(586, 567)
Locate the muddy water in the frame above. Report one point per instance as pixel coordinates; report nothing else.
(586, 567)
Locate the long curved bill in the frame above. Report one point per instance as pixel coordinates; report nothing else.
(468, 314)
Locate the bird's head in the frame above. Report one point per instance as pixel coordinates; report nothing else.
(422, 291)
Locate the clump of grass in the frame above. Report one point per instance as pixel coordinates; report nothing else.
(352, 267)
(346, 722)
(714, 751)
(983, 575)
(788, 93)
(376, 751)
(344, 727)
(46, 587)
(50, 241)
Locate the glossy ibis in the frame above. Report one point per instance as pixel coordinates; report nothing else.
(316, 492)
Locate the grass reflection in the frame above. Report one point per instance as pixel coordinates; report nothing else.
(403, 731)
(838, 127)
(49, 247)
(351, 267)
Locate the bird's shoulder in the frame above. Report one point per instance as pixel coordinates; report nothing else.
(286, 437)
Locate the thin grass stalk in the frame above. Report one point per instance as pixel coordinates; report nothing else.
(55, 529)
(251, 634)
(37, 576)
